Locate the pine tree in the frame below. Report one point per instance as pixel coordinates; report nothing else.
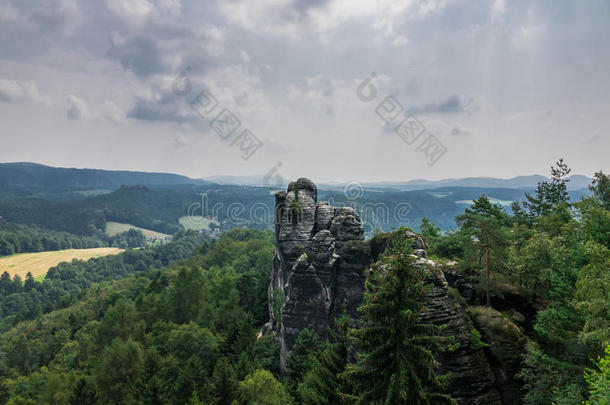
(483, 222)
(323, 384)
(83, 394)
(601, 188)
(225, 382)
(396, 350)
(306, 348)
(548, 194)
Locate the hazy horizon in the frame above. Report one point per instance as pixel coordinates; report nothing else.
(329, 181)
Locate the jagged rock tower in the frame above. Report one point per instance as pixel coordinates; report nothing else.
(313, 279)
(318, 273)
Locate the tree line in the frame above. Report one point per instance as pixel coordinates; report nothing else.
(16, 238)
(67, 282)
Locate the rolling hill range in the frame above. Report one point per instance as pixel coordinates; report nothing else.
(576, 182)
(26, 179)
(82, 201)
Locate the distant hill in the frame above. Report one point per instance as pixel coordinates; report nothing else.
(577, 182)
(26, 179)
(251, 180)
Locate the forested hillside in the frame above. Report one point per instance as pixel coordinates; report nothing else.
(165, 336)
(237, 206)
(67, 282)
(155, 209)
(27, 179)
(554, 254)
(126, 329)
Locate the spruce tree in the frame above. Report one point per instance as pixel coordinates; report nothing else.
(225, 382)
(396, 350)
(323, 385)
(306, 349)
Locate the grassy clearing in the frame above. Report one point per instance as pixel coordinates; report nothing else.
(40, 262)
(196, 223)
(113, 228)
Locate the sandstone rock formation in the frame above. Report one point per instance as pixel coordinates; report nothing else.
(318, 273)
(307, 286)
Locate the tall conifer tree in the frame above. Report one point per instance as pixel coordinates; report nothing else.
(396, 350)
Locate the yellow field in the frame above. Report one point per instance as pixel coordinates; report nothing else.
(113, 228)
(40, 262)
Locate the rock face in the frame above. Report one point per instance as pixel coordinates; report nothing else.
(312, 279)
(318, 273)
(506, 343)
(472, 379)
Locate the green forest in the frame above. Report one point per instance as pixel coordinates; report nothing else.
(184, 323)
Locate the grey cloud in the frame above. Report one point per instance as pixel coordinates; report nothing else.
(453, 50)
(457, 131)
(452, 105)
(166, 108)
(180, 141)
(142, 56)
(57, 16)
(303, 6)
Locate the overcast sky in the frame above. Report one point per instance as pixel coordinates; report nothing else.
(503, 88)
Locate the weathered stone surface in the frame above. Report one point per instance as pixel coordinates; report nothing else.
(471, 377)
(324, 216)
(346, 225)
(307, 280)
(456, 280)
(319, 271)
(506, 343)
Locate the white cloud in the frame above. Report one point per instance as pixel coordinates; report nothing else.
(135, 9)
(173, 7)
(18, 91)
(400, 40)
(77, 108)
(113, 112)
(498, 9)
